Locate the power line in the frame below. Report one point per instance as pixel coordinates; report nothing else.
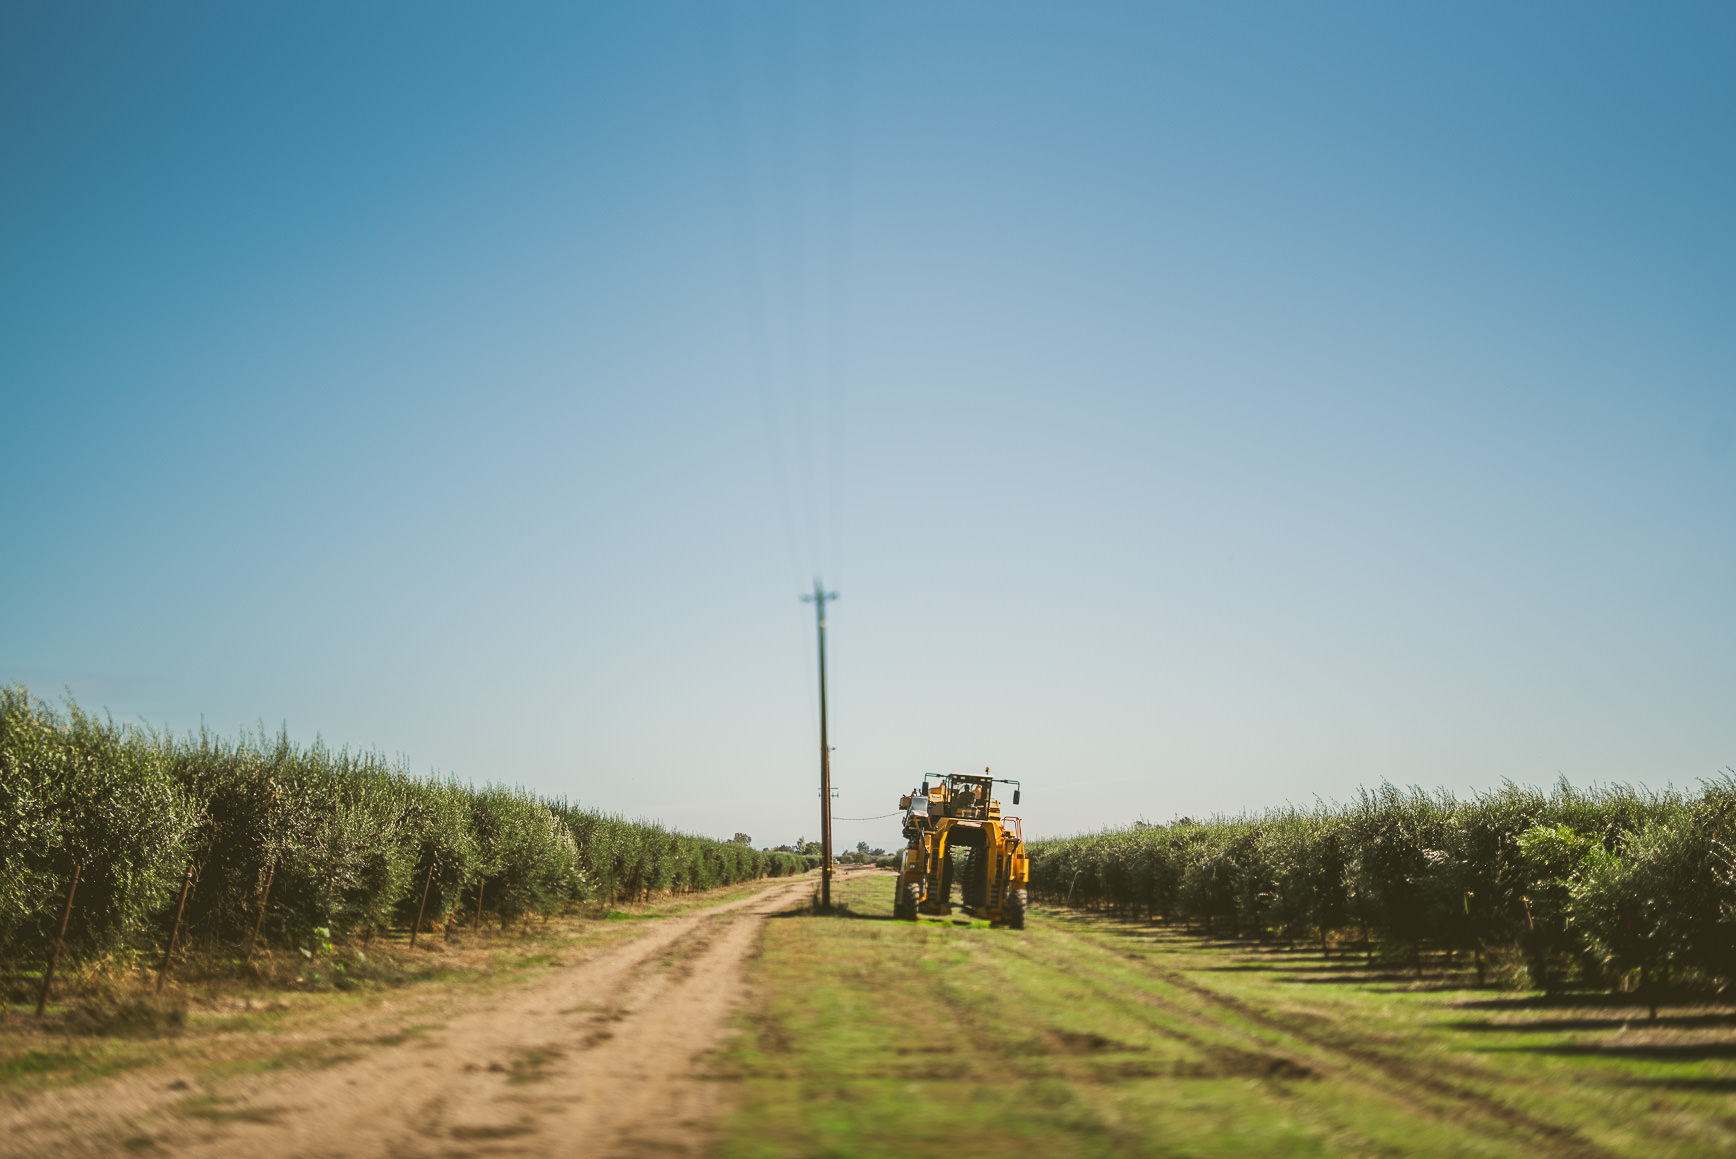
(839, 138)
(728, 118)
(783, 104)
(783, 108)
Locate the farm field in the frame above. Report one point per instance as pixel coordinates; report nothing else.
(738, 1023)
(838, 580)
(1086, 1035)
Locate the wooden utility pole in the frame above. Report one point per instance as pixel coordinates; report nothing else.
(818, 599)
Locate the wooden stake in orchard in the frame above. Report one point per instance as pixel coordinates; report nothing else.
(175, 930)
(264, 896)
(423, 908)
(54, 954)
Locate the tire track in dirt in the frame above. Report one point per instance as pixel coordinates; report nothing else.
(597, 1059)
(1357, 1061)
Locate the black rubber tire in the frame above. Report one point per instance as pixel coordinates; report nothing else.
(974, 889)
(1014, 918)
(904, 901)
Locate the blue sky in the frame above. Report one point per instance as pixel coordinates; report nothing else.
(1198, 407)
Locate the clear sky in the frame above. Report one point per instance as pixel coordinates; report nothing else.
(1197, 406)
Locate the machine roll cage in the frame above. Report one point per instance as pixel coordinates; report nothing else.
(975, 807)
(976, 779)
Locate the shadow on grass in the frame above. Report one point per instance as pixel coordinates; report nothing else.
(1390, 973)
(1651, 1052)
(1358, 977)
(1311, 965)
(1701, 1086)
(1590, 1000)
(837, 911)
(1567, 1025)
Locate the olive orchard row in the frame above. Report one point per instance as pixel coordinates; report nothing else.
(281, 840)
(1601, 887)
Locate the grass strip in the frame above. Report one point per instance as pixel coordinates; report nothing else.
(1085, 1035)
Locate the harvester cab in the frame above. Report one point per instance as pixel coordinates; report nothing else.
(961, 813)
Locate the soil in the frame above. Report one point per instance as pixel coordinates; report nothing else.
(603, 1057)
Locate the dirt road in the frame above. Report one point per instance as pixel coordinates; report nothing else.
(595, 1059)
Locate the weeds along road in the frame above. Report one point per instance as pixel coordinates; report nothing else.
(597, 1058)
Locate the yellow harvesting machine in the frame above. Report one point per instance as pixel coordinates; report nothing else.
(960, 813)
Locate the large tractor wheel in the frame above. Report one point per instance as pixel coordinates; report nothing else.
(1015, 911)
(904, 898)
(975, 886)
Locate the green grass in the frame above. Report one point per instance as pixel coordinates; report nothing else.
(1086, 1036)
(35, 1062)
(35, 1069)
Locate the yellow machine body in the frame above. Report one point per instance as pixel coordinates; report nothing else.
(961, 814)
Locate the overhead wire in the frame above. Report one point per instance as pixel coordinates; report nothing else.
(785, 140)
(727, 117)
(840, 138)
(783, 95)
(783, 92)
